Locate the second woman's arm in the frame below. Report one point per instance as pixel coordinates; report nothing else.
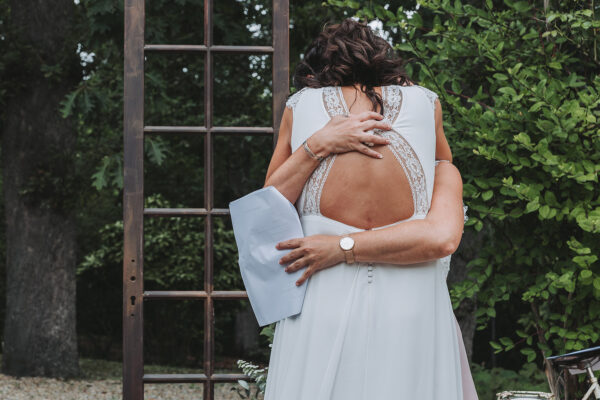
(288, 172)
(409, 242)
(436, 236)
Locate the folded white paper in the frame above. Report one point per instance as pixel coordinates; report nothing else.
(262, 219)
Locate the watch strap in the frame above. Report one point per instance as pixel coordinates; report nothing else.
(349, 256)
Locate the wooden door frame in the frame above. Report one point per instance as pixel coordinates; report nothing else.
(134, 212)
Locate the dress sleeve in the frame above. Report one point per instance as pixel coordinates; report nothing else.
(294, 98)
(431, 95)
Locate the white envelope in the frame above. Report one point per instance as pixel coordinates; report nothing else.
(262, 219)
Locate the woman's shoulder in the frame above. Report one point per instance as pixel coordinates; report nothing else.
(420, 91)
(430, 94)
(293, 99)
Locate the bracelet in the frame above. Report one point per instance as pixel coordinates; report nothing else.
(438, 161)
(310, 153)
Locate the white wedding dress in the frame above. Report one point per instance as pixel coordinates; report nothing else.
(371, 331)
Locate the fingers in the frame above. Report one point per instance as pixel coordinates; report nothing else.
(366, 115)
(289, 244)
(377, 139)
(291, 256)
(366, 150)
(304, 276)
(372, 124)
(296, 265)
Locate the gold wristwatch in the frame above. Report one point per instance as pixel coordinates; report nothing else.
(347, 244)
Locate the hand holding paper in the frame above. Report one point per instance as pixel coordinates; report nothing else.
(262, 219)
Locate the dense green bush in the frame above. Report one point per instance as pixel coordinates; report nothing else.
(490, 381)
(519, 87)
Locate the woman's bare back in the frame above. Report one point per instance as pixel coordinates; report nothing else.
(363, 191)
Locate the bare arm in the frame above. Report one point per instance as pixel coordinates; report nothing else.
(436, 236)
(288, 172)
(409, 242)
(419, 240)
(442, 148)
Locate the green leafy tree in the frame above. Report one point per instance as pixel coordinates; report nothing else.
(519, 86)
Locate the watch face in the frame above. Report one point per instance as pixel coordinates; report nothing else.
(347, 243)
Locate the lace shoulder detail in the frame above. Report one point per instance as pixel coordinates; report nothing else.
(333, 100)
(310, 198)
(413, 169)
(294, 98)
(446, 264)
(392, 96)
(431, 95)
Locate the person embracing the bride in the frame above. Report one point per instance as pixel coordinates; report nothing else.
(362, 155)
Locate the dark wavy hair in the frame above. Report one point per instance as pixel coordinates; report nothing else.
(350, 53)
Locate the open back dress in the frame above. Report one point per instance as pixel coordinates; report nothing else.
(371, 331)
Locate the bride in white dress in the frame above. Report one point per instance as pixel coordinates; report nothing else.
(377, 322)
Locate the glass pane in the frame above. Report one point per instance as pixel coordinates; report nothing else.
(227, 274)
(173, 336)
(235, 391)
(253, 22)
(173, 253)
(174, 170)
(243, 90)
(169, 22)
(238, 336)
(174, 89)
(174, 391)
(240, 165)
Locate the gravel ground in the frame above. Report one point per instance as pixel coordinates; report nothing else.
(53, 389)
(103, 382)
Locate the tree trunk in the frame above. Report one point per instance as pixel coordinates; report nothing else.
(465, 313)
(37, 153)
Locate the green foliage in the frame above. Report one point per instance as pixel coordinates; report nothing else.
(173, 251)
(519, 88)
(173, 83)
(259, 375)
(490, 381)
(173, 260)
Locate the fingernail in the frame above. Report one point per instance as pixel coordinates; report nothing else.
(380, 156)
(287, 270)
(387, 141)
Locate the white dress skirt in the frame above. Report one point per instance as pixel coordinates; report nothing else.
(371, 331)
